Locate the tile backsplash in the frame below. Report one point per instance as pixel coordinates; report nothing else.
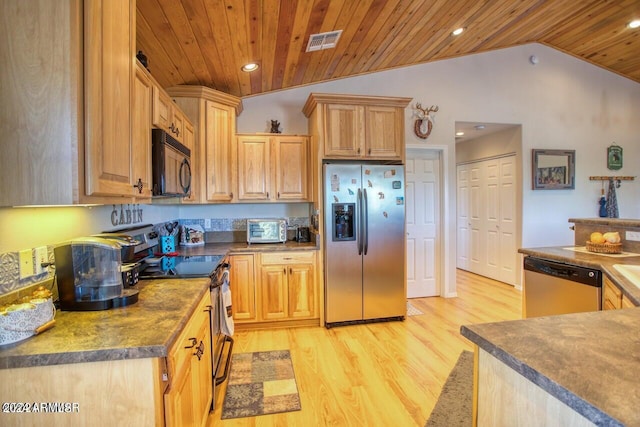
(11, 284)
(216, 230)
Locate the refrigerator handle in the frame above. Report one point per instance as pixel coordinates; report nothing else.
(365, 222)
(359, 222)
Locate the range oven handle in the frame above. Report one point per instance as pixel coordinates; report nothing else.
(221, 379)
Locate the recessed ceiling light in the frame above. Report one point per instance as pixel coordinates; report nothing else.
(479, 127)
(634, 24)
(459, 133)
(457, 31)
(250, 67)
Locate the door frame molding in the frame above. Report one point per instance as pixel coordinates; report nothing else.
(445, 245)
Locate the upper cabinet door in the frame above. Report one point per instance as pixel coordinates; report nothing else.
(291, 167)
(344, 130)
(109, 43)
(383, 135)
(141, 132)
(253, 168)
(219, 136)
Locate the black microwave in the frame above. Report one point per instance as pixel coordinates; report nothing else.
(170, 165)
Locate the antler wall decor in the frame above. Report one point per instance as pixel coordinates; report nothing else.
(424, 116)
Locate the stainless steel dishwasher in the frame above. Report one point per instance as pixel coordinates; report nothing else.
(552, 287)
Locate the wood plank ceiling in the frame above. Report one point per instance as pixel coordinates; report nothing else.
(205, 42)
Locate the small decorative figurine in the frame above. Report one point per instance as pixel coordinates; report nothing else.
(275, 126)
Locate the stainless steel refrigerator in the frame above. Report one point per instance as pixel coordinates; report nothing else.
(364, 251)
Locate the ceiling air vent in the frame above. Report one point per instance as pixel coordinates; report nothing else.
(323, 40)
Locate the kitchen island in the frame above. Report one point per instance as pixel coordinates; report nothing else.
(574, 369)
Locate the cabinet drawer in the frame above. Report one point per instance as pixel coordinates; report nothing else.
(179, 356)
(293, 257)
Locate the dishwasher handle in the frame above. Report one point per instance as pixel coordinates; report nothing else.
(574, 273)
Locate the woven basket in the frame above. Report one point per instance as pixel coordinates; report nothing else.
(605, 248)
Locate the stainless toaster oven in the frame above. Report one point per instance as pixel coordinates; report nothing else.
(266, 230)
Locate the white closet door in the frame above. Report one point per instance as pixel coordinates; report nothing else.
(491, 220)
(477, 257)
(486, 226)
(507, 224)
(463, 221)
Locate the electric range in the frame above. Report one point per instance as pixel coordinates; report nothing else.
(180, 266)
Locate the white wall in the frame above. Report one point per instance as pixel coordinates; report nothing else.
(561, 103)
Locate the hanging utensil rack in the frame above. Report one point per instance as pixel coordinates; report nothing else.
(615, 178)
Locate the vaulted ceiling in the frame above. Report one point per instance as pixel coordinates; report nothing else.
(206, 42)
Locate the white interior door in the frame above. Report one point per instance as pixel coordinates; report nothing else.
(463, 221)
(422, 205)
(507, 226)
(486, 219)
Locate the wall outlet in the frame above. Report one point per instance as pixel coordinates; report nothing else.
(632, 235)
(26, 263)
(207, 223)
(42, 256)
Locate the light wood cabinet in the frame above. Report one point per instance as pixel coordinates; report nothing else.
(611, 295)
(274, 289)
(189, 395)
(272, 168)
(253, 168)
(287, 285)
(626, 302)
(141, 132)
(242, 276)
(213, 115)
(291, 156)
(30, 171)
(357, 127)
(109, 45)
(166, 116)
(86, 66)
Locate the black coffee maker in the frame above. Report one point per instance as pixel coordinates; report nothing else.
(88, 271)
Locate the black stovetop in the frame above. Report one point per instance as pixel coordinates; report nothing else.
(181, 267)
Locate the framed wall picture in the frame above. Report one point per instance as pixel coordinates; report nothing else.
(614, 157)
(553, 169)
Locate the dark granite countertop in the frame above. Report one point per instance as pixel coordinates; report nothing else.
(586, 360)
(243, 247)
(601, 262)
(147, 328)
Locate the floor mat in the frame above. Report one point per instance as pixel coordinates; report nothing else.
(454, 406)
(260, 383)
(412, 311)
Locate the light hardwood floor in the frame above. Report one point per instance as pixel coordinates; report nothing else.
(379, 374)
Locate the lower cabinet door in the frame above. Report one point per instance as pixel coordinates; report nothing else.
(273, 292)
(178, 403)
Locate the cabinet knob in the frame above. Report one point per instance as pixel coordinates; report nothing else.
(358, 151)
(290, 270)
(267, 194)
(369, 151)
(284, 271)
(139, 185)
